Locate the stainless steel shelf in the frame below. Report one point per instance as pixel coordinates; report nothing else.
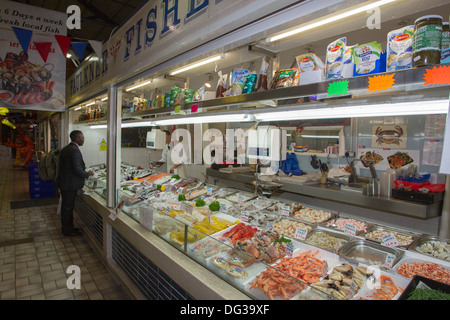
(410, 80)
(400, 207)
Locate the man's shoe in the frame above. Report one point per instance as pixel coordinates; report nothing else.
(72, 234)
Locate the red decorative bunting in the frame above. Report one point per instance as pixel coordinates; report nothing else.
(64, 43)
(43, 48)
(437, 76)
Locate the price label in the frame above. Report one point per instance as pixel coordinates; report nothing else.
(389, 262)
(244, 215)
(223, 207)
(350, 229)
(180, 190)
(285, 210)
(187, 207)
(175, 206)
(209, 191)
(241, 198)
(300, 233)
(270, 225)
(389, 240)
(148, 183)
(289, 249)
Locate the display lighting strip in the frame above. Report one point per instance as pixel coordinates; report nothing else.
(370, 110)
(331, 19)
(139, 85)
(206, 119)
(197, 64)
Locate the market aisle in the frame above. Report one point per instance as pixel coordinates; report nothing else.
(34, 255)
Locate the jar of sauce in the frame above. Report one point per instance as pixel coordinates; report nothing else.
(445, 43)
(427, 40)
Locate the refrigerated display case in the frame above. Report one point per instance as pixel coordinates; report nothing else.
(202, 102)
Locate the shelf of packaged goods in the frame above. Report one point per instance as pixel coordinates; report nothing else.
(407, 81)
(333, 193)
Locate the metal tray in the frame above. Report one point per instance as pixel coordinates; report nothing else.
(415, 246)
(344, 237)
(324, 224)
(369, 253)
(282, 217)
(389, 230)
(332, 216)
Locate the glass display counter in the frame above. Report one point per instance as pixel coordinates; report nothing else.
(275, 249)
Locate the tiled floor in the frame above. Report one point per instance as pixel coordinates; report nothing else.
(34, 255)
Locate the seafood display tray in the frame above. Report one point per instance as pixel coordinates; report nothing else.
(342, 236)
(418, 280)
(410, 260)
(248, 196)
(390, 230)
(342, 216)
(415, 246)
(333, 215)
(369, 252)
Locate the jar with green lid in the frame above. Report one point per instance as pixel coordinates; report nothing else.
(445, 43)
(427, 40)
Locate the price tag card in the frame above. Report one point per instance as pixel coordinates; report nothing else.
(223, 207)
(285, 210)
(300, 233)
(270, 225)
(146, 217)
(187, 207)
(209, 191)
(350, 229)
(389, 240)
(241, 198)
(289, 249)
(244, 215)
(390, 258)
(148, 183)
(180, 190)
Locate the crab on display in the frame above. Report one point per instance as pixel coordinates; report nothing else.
(389, 136)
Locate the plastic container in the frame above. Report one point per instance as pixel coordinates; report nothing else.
(427, 40)
(445, 43)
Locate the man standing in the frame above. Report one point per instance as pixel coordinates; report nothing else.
(166, 157)
(71, 177)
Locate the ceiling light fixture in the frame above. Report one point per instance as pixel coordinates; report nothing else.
(140, 85)
(325, 21)
(198, 64)
(205, 119)
(370, 110)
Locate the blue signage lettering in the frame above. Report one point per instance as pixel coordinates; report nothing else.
(129, 37)
(138, 45)
(170, 12)
(151, 27)
(193, 10)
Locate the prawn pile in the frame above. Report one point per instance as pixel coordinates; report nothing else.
(428, 270)
(283, 278)
(386, 289)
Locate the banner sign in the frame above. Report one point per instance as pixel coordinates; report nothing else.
(40, 20)
(161, 30)
(32, 63)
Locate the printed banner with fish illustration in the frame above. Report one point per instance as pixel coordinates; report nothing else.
(27, 81)
(387, 158)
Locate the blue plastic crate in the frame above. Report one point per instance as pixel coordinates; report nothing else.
(42, 194)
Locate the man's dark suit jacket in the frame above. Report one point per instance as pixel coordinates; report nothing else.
(71, 168)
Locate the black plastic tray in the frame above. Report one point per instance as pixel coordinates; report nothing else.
(432, 284)
(415, 196)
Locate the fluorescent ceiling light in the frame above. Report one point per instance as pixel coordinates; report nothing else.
(206, 119)
(140, 85)
(104, 99)
(333, 18)
(78, 108)
(90, 104)
(138, 124)
(99, 126)
(371, 110)
(316, 136)
(198, 64)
